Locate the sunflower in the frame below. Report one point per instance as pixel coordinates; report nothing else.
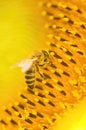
(58, 27)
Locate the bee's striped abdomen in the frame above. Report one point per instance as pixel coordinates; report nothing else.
(30, 77)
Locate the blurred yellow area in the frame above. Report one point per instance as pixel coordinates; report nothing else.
(19, 36)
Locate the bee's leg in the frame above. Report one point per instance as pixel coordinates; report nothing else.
(37, 68)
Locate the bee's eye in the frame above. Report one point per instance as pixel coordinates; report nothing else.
(45, 60)
(45, 53)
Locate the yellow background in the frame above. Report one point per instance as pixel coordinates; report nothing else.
(21, 33)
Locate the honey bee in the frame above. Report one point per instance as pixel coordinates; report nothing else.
(31, 66)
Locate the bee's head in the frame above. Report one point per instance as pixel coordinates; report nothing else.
(47, 59)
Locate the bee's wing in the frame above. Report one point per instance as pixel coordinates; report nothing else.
(25, 64)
